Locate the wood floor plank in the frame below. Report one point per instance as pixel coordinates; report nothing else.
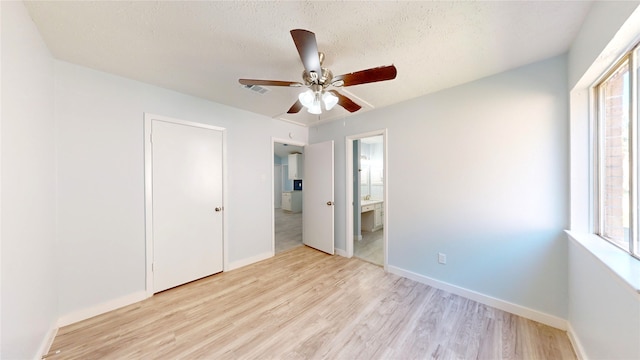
(304, 304)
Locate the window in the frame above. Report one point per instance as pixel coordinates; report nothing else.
(617, 149)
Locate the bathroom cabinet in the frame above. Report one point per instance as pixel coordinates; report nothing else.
(295, 166)
(292, 201)
(372, 215)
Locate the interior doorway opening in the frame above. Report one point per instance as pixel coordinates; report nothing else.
(288, 166)
(366, 193)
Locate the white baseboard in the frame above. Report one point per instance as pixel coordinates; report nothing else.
(47, 341)
(340, 252)
(114, 304)
(98, 309)
(248, 261)
(575, 342)
(535, 315)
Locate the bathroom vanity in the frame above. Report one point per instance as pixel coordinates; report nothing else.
(372, 214)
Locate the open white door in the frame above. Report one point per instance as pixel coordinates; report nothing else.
(317, 197)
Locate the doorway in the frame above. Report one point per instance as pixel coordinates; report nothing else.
(288, 163)
(366, 192)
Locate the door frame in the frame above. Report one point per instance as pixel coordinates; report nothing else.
(148, 192)
(275, 173)
(349, 236)
(275, 140)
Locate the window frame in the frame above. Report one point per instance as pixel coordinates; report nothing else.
(630, 57)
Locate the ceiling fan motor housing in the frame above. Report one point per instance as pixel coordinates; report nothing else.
(323, 79)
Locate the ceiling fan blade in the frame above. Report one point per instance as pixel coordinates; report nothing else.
(269, 82)
(307, 47)
(381, 73)
(345, 102)
(295, 108)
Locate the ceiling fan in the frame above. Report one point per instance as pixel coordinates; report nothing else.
(318, 79)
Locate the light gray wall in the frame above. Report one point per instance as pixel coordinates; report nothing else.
(101, 241)
(604, 312)
(28, 265)
(478, 172)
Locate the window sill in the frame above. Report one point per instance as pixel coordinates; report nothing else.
(620, 263)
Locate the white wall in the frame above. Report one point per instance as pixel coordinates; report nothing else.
(601, 25)
(478, 172)
(604, 312)
(72, 156)
(29, 294)
(101, 185)
(491, 187)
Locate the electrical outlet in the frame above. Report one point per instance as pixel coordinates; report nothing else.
(442, 258)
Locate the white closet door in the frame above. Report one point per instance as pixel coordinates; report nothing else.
(187, 203)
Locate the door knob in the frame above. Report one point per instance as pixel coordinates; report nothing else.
(218, 209)
(329, 203)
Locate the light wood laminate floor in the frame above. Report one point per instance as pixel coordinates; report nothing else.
(304, 304)
(288, 230)
(370, 248)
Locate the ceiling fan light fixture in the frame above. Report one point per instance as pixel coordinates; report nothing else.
(315, 110)
(329, 100)
(312, 101)
(306, 98)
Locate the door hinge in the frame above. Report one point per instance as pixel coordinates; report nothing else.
(152, 267)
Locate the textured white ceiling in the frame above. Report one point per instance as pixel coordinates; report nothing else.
(202, 48)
